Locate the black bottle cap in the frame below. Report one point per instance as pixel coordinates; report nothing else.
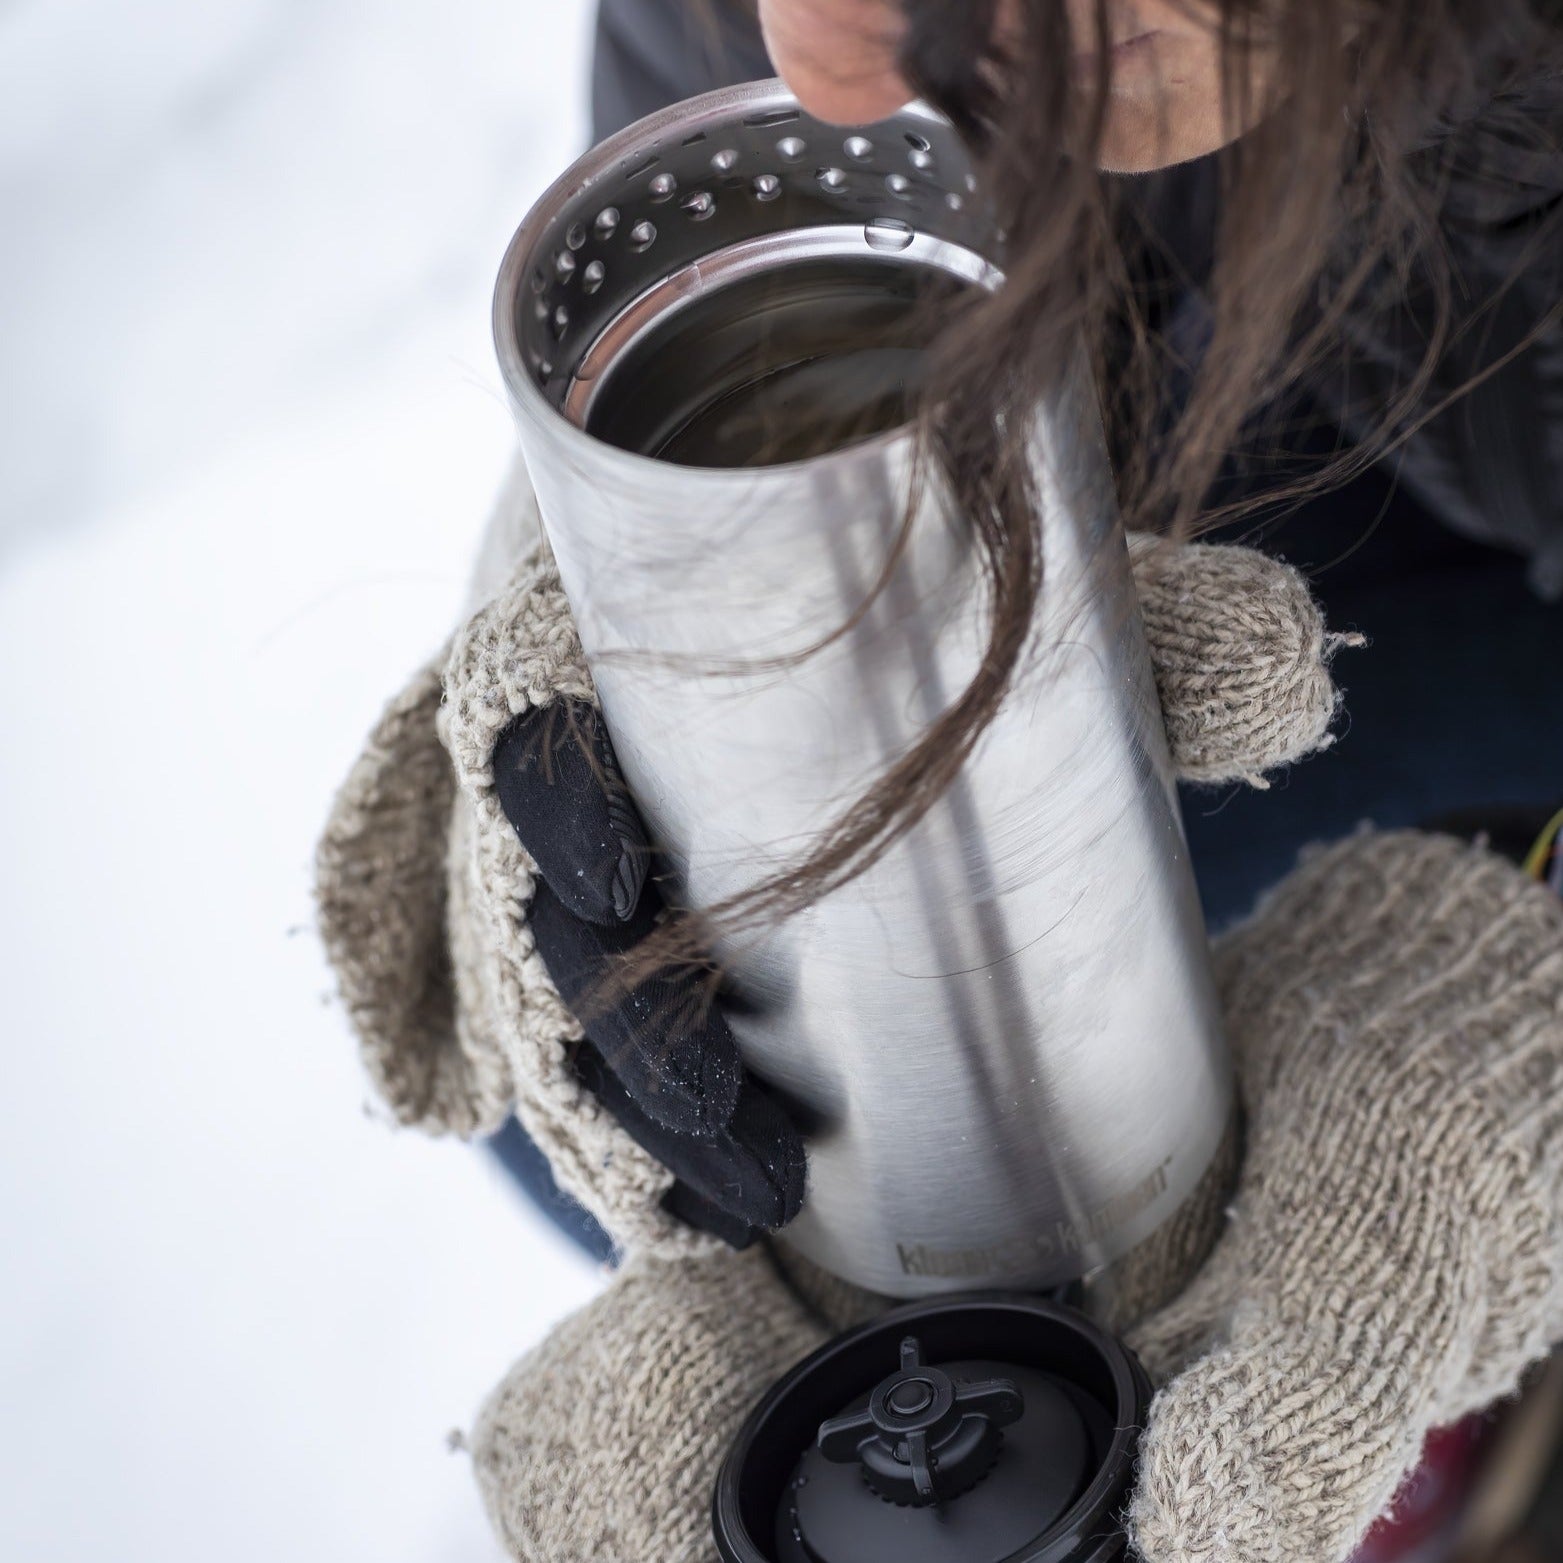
(987, 1428)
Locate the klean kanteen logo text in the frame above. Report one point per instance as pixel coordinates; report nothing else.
(1021, 1255)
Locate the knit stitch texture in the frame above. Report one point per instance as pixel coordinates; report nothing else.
(423, 891)
(1393, 1262)
(1396, 1256)
(1242, 659)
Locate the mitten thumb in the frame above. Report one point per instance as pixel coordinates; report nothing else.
(1242, 658)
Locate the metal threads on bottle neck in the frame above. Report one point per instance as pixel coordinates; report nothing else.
(749, 186)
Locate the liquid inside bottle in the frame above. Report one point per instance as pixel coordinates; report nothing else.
(808, 358)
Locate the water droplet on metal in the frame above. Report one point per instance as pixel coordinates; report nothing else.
(724, 160)
(662, 187)
(642, 236)
(700, 205)
(576, 237)
(858, 147)
(606, 221)
(888, 233)
(791, 148)
(831, 178)
(897, 184)
(767, 187)
(591, 278)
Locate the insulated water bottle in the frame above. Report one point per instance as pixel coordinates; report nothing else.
(1002, 1039)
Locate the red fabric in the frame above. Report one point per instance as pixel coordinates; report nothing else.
(1421, 1522)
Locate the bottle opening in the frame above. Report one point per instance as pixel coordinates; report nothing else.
(747, 361)
(732, 283)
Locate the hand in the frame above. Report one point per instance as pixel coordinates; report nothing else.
(662, 1057)
(839, 57)
(1395, 1258)
(424, 884)
(1395, 1255)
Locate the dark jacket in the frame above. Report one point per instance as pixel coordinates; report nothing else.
(1490, 463)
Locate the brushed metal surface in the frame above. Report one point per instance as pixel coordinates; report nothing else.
(1003, 1038)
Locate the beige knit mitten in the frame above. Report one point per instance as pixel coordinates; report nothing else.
(1395, 1256)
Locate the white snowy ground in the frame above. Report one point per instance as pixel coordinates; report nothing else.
(250, 427)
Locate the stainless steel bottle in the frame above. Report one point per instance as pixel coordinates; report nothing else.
(1003, 1037)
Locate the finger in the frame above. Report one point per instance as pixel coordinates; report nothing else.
(665, 1040)
(1241, 655)
(752, 1170)
(560, 786)
(839, 57)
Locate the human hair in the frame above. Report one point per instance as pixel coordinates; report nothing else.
(1330, 209)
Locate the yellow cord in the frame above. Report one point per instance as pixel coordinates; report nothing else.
(1536, 861)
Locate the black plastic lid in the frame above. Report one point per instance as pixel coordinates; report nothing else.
(985, 1428)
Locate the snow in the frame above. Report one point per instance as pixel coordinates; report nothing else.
(252, 427)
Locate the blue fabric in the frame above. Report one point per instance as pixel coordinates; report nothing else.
(1455, 704)
(516, 1153)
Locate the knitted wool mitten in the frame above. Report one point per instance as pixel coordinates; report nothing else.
(1395, 1256)
(1241, 658)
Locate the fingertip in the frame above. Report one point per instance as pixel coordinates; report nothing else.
(838, 60)
(858, 101)
(692, 1207)
(763, 1129)
(627, 883)
(793, 1183)
(721, 1076)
